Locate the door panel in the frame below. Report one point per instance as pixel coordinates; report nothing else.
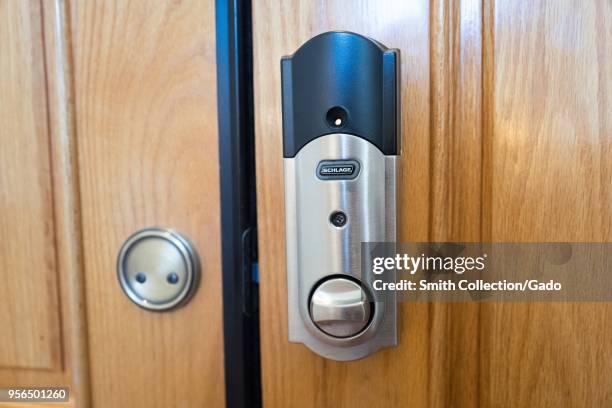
(109, 125)
(506, 137)
(31, 334)
(144, 76)
(550, 169)
(43, 340)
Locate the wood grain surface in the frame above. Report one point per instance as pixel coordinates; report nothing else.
(30, 316)
(39, 169)
(550, 179)
(455, 188)
(145, 93)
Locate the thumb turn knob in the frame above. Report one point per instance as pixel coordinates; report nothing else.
(340, 307)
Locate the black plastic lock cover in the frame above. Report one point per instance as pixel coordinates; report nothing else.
(341, 82)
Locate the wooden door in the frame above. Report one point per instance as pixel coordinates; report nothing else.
(145, 103)
(507, 136)
(109, 125)
(42, 319)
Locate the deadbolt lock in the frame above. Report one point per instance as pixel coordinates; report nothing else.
(158, 269)
(340, 147)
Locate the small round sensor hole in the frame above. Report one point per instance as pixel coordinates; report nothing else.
(338, 219)
(336, 117)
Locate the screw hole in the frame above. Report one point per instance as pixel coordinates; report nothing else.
(336, 117)
(172, 278)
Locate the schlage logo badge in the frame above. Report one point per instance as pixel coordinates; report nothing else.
(338, 169)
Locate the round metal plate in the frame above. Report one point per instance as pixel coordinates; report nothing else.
(158, 269)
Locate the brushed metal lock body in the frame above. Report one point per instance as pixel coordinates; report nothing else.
(340, 136)
(158, 269)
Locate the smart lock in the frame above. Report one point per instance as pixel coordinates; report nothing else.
(341, 132)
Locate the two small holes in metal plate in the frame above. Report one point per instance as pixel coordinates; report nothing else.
(172, 278)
